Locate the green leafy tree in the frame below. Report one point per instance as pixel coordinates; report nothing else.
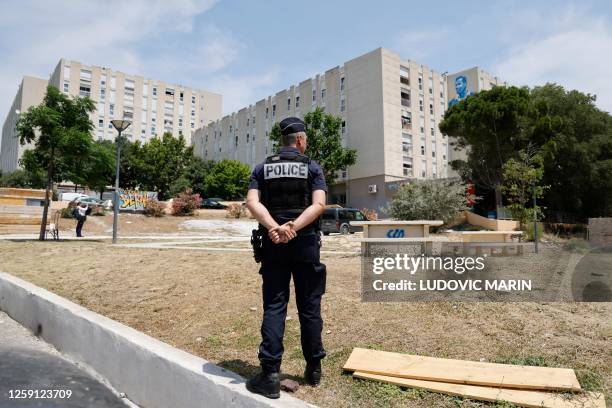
(324, 143)
(492, 125)
(196, 172)
(20, 178)
(573, 137)
(131, 164)
(228, 179)
(60, 130)
(429, 200)
(162, 160)
(99, 170)
(522, 178)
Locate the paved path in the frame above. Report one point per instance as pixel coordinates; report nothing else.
(27, 363)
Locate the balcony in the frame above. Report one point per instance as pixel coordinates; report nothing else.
(406, 102)
(405, 80)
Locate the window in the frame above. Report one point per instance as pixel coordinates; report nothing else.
(423, 168)
(101, 123)
(181, 97)
(112, 95)
(266, 113)
(170, 91)
(273, 110)
(288, 104)
(66, 85)
(297, 101)
(192, 124)
(405, 98)
(155, 92)
(314, 95)
(145, 89)
(102, 93)
(323, 94)
(342, 105)
(406, 120)
(193, 99)
(169, 105)
(431, 109)
(343, 127)
(180, 122)
(129, 85)
(420, 83)
(84, 90)
(101, 108)
(422, 150)
(111, 109)
(86, 75)
(248, 137)
(341, 84)
(433, 132)
(421, 105)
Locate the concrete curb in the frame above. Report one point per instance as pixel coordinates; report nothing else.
(151, 373)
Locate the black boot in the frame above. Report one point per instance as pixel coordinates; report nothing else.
(312, 374)
(266, 384)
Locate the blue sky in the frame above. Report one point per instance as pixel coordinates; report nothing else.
(247, 50)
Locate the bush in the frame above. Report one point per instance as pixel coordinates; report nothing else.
(371, 215)
(186, 203)
(236, 211)
(577, 245)
(528, 229)
(67, 212)
(154, 208)
(429, 200)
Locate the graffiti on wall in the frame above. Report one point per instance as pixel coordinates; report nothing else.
(132, 200)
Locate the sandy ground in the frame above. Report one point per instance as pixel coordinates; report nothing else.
(208, 303)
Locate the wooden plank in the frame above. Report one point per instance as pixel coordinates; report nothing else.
(460, 371)
(522, 398)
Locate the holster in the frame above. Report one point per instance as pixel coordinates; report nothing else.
(257, 244)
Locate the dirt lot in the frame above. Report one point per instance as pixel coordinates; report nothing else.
(208, 303)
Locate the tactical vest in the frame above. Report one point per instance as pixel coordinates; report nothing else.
(287, 183)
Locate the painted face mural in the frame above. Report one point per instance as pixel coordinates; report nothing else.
(461, 86)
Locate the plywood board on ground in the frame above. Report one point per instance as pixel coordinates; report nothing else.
(460, 371)
(523, 398)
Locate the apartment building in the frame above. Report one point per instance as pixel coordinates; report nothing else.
(154, 107)
(461, 85)
(390, 109)
(31, 92)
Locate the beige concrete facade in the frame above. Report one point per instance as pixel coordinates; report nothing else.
(31, 92)
(390, 107)
(461, 85)
(153, 106)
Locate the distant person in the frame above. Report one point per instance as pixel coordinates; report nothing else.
(81, 211)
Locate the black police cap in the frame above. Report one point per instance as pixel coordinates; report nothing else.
(292, 125)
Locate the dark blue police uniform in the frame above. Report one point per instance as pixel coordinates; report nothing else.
(286, 182)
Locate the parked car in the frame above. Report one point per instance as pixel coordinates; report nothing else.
(73, 196)
(212, 204)
(339, 220)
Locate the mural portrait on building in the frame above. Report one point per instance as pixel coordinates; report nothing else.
(461, 89)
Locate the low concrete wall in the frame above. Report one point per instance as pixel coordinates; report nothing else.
(492, 224)
(151, 373)
(600, 231)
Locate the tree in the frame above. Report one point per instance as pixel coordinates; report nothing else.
(324, 143)
(61, 132)
(162, 160)
(573, 137)
(228, 179)
(196, 172)
(99, 170)
(20, 179)
(429, 200)
(521, 181)
(492, 124)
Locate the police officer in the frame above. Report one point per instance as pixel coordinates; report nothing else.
(287, 195)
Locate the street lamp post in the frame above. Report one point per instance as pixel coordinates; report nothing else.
(120, 125)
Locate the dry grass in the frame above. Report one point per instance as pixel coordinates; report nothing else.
(200, 302)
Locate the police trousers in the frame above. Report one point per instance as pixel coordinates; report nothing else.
(298, 259)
